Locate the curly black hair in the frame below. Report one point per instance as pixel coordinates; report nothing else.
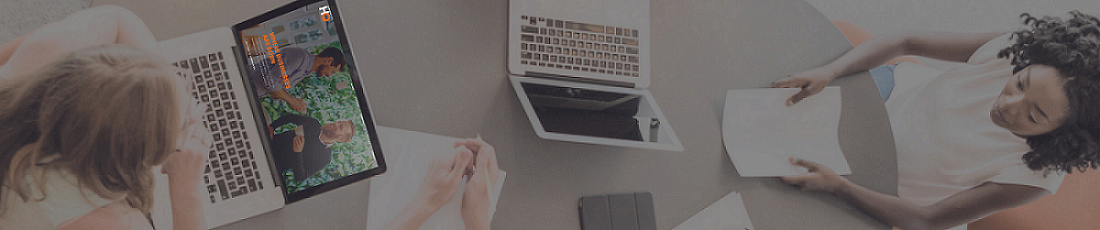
(1073, 48)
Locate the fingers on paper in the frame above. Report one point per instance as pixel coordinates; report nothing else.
(461, 162)
(802, 94)
(809, 165)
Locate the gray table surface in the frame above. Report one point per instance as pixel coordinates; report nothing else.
(440, 66)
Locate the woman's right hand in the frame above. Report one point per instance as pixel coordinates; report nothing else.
(811, 81)
(475, 199)
(185, 166)
(444, 176)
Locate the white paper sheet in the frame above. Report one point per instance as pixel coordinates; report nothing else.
(760, 131)
(726, 213)
(408, 154)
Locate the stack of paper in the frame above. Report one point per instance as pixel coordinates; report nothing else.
(761, 132)
(727, 213)
(407, 155)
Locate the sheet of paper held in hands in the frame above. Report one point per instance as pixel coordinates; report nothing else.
(726, 213)
(408, 154)
(760, 131)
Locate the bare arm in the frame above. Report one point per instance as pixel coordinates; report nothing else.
(948, 46)
(7, 49)
(83, 29)
(878, 50)
(961, 208)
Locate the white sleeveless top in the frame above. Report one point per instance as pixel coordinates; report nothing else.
(63, 201)
(946, 142)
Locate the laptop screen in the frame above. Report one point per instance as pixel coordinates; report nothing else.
(299, 63)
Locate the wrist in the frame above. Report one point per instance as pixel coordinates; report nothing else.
(831, 71)
(183, 188)
(477, 222)
(843, 186)
(424, 205)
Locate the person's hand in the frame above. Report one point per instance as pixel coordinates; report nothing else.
(299, 143)
(444, 176)
(185, 166)
(475, 198)
(297, 104)
(819, 178)
(811, 81)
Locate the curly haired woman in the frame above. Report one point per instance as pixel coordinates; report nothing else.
(995, 134)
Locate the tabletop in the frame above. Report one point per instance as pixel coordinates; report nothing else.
(440, 67)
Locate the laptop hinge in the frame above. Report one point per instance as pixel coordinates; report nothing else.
(579, 79)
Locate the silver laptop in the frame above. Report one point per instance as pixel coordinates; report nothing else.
(250, 170)
(581, 69)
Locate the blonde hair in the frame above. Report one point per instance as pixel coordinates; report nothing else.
(105, 114)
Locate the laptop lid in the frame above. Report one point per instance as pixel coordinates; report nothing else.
(322, 132)
(620, 28)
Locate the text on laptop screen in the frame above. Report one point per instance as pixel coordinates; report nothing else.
(296, 62)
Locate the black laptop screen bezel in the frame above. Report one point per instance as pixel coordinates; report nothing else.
(367, 116)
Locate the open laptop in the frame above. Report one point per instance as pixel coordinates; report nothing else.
(242, 73)
(581, 69)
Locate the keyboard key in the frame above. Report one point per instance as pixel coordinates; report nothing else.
(584, 27)
(630, 41)
(203, 62)
(529, 29)
(222, 189)
(195, 65)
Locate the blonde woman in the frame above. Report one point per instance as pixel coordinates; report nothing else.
(83, 124)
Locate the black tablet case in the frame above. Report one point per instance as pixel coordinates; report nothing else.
(631, 211)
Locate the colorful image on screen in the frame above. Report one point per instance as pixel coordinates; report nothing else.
(297, 65)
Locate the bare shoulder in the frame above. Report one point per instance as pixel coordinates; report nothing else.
(116, 215)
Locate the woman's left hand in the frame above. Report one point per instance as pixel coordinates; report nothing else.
(819, 178)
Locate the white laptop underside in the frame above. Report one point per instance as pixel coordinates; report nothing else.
(632, 14)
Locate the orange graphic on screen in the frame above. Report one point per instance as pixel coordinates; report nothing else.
(273, 48)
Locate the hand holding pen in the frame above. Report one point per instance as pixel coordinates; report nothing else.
(479, 187)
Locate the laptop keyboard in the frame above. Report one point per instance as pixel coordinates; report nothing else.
(232, 170)
(561, 44)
